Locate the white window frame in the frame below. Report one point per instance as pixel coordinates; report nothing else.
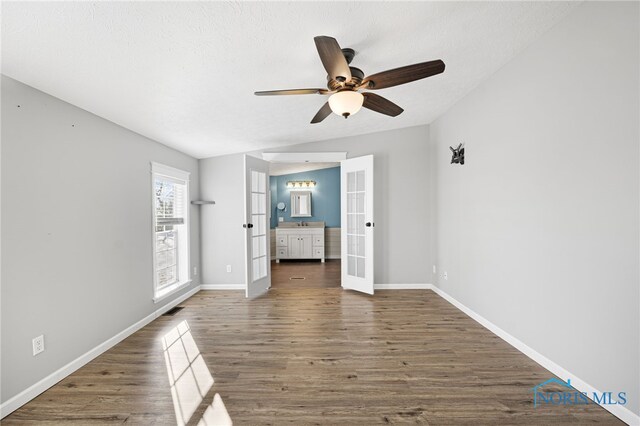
(161, 170)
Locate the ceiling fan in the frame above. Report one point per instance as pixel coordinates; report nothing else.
(345, 83)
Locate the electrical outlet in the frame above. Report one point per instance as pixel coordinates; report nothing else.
(446, 277)
(195, 271)
(228, 268)
(281, 219)
(434, 269)
(38, 345)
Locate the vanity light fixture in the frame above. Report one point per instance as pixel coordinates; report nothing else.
(301, 184)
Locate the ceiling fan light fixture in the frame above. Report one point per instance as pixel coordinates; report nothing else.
(347, 80)
(346, 103)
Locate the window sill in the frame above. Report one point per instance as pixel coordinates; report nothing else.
(166, 292)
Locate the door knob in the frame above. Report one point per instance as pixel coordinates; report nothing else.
(369, 224)
(248, 225)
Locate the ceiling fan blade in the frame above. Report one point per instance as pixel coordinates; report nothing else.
(403, 75)
(292, 92)
(332, 58)
(379, 104)
(324, 112)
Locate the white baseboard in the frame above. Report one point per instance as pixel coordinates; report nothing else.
(223, 287)
(619, 411)
(402, 286)
(37, 388)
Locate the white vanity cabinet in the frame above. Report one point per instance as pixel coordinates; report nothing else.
(299, 242)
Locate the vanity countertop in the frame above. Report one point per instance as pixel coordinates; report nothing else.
(301, 224)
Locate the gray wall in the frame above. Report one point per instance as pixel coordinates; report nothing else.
(76, 231)
(538, 231)
(222, 180)
(403, 206)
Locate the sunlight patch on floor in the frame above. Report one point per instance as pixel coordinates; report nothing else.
(216, 414)
(189, 376)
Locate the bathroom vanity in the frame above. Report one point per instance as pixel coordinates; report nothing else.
(300, 240)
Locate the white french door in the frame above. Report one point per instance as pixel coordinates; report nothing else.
(257, 217)
(356, 180)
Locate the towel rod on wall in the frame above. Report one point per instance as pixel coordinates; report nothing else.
(202, 202)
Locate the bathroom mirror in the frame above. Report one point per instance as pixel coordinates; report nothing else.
(300, 203)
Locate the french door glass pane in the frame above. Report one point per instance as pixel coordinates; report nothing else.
(360, 246)
(360, 273)
(256, 269)
(259, 224)
(360, 224)
(254, 181)
(360, 202)
(360, 180)
(351, 181)
(351, 265)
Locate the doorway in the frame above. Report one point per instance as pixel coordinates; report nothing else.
(303, 237)
(305, 225)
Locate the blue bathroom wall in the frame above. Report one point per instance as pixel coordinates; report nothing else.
(325, 197)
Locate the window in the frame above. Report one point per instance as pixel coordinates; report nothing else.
(170, 229)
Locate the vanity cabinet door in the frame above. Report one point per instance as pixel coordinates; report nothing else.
(306, 243)
(294, 246)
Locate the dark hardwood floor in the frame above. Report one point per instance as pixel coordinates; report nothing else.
(308, 356)
(305, 274)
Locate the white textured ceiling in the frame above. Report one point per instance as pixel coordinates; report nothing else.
(184, 73)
